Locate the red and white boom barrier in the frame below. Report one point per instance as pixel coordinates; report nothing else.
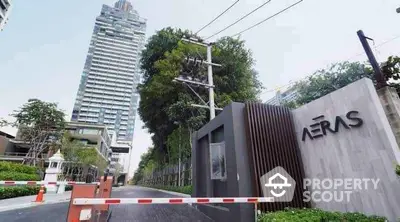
(84, 206)
(33, 183)
(225, 200)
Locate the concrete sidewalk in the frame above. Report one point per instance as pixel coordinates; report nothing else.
(26, 201)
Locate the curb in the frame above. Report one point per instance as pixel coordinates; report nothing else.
(167, 191)
(31, 204)
(28, 205)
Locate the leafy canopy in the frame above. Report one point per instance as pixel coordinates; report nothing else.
(338, 75)
(325, 81)
(79, 154)
(166, 105)
(40, 115)
(40, 124)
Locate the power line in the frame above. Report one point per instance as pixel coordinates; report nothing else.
(259, 23)
(254, 10)
(291, 82)
(375, 46)
(217, 17)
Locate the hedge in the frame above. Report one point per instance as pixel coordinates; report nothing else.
(4, 175)
(316, 215)
(18, 191)
(184, 189)
(15, 167)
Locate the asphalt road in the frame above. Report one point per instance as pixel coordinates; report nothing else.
(120, 213)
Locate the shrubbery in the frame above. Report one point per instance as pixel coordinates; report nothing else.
(16, 176)
(18, 191)
(18, 172)
(184, 189)
(398, 170)
(15, 167)
(317, 215)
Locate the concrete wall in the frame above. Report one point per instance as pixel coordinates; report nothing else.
(367, 151)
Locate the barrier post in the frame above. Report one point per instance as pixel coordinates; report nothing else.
(80, 191)
(255, 212)
(105, 191)
(105, 187)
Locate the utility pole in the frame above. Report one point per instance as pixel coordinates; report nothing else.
(210, 82)
(210, 85)
(380, 78)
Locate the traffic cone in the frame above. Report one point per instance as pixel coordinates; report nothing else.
(39, 197)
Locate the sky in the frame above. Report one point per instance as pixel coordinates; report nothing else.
(43, 46)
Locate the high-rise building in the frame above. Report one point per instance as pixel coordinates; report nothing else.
(124, 5)
(5, 9)
(280, 98)
(107, 91)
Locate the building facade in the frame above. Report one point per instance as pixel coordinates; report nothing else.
(5, 9)
(107, 91)
(288, 95)
(91, 135)
(120, 161)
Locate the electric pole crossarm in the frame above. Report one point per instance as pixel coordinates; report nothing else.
(204, 62)
(206, 107)
(193, 82)
(194, 42)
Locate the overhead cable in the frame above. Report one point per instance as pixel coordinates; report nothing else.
(243, 17)
(217, 17)
(291, 82)
(259, 23)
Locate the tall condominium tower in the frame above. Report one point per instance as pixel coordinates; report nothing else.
(5, 8)
(107, 91)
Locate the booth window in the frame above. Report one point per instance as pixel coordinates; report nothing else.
(218, 161)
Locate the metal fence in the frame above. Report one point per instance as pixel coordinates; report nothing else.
(169, 176)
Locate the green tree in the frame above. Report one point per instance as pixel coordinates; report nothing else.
(325, 81)
(164, 103)
(79, 155)
(391, 70)
(338, 75)
(145, 159)
(178, 142)
(40, 124)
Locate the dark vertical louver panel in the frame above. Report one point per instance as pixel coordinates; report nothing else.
(272, 143)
